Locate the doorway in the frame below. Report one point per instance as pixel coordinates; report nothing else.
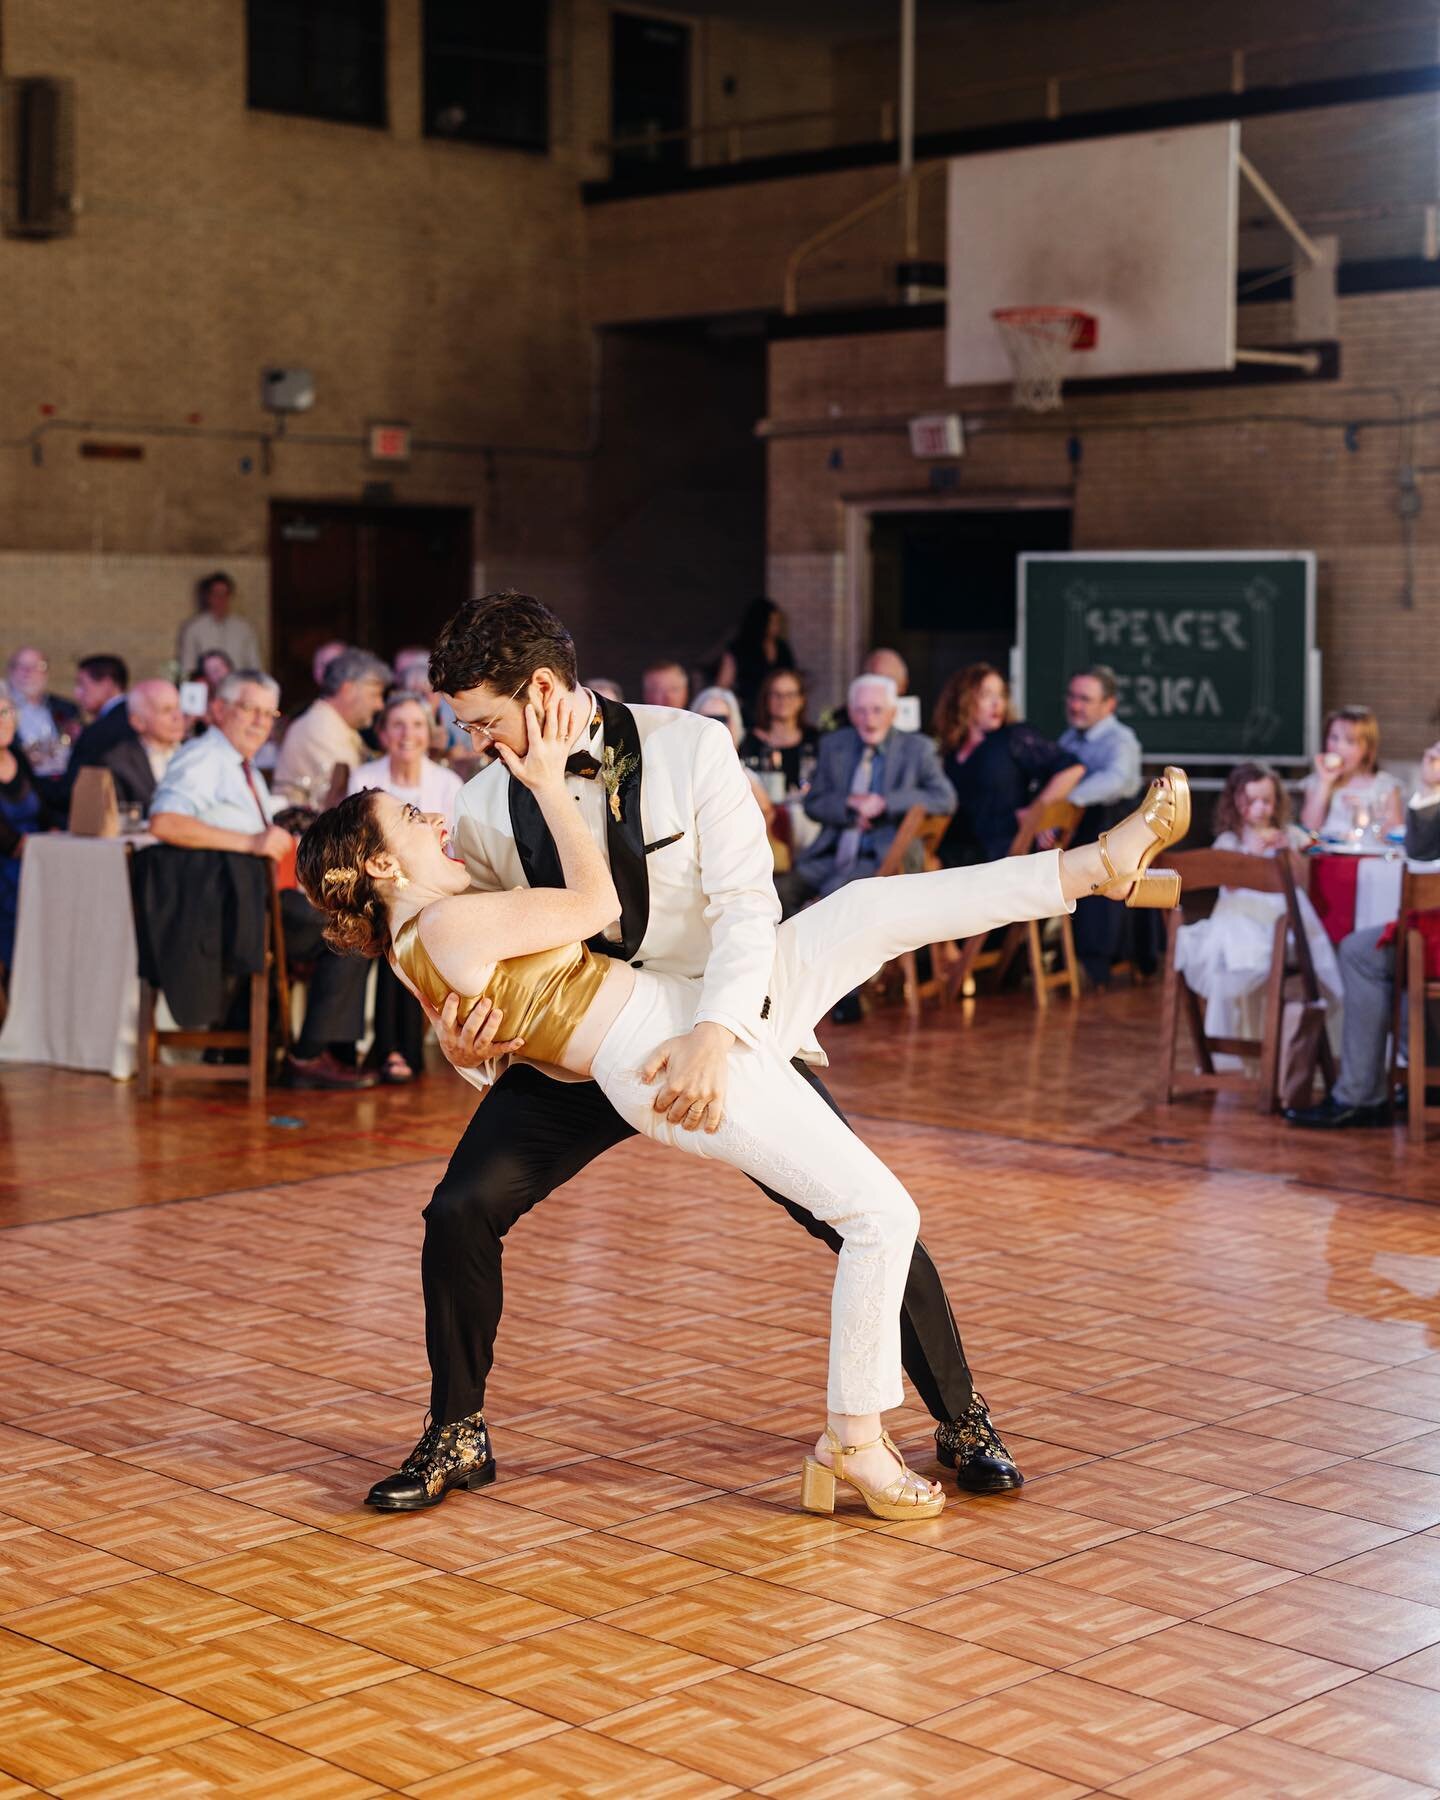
(649, 89)
(943, 585)
(381, 577)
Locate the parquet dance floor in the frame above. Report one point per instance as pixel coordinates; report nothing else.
(1211, 1344)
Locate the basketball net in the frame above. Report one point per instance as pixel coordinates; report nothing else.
(1039, 340)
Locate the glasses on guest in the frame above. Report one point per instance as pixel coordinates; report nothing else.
(257, 715)
(6, 710)
(482, 733)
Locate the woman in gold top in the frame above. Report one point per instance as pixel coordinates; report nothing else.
(380, 870)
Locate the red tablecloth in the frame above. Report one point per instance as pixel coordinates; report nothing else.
(1333, 882)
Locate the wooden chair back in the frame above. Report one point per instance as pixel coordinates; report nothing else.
(1414, 990)
(254, 1071)
(918, 840)
(1292, 973)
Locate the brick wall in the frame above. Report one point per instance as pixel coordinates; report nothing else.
(1263, 467)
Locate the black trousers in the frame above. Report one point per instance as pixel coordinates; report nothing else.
(335, 1003)
(399, 1020)
(1106, 932)
(530, 1136)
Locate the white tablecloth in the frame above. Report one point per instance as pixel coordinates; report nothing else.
(1377, 888)
(74, 992)
(1377, 891)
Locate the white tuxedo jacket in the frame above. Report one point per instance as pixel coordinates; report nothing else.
(707, 861)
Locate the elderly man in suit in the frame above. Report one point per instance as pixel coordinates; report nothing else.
(139, 759)
(868, 777)
(1367, 969)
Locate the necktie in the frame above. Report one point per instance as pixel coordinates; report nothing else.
(255, 793)
(847, 851)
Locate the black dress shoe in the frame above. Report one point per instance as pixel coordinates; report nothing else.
(447, 1456)
(974, 1449)
(1333, 1115)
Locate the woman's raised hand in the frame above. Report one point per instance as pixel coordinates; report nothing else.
(550, 732)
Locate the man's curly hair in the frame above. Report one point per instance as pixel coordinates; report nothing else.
(500, 640)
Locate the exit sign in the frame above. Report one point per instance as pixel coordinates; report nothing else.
(390, 443)
(937, 434)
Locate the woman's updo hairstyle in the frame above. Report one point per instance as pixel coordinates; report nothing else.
(331, 866)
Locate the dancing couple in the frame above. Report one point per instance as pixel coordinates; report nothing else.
(608, 902)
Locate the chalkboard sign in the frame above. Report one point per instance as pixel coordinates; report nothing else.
(1214, 650)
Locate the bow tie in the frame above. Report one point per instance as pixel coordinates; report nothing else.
(583, 764)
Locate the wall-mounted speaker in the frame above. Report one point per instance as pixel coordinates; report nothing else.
(37, 168)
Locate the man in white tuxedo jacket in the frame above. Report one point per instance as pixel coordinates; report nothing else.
(672, 809)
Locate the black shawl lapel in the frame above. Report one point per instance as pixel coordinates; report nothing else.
(538, 856)
(626, 836)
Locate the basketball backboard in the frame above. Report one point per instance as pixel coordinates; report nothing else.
(1138, 230)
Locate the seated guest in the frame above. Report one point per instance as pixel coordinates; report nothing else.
(758, 650)
(782, 740)
(889, 663)
(1110, 751)
(213, 626)
(1347, 788)
(996, 765)
(22, 813)
(412, 676)
(719, 703)
(665, 684)
(892, 665)
(138, 761)
(406, 772)
(1226, 958)
(100, 684)
(1367, 972)
(323, 658)
(868, 777)
(214, 798)
(328, 731)
(212, 669)
(49, 724)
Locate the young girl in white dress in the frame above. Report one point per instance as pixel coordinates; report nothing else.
(1348, 791)
(1226, 958)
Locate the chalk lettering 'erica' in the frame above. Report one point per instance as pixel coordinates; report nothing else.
(1168, 697)
(1150, 628)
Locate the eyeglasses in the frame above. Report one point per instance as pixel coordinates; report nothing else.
(7, 712)
(486, 731)
(257, 715)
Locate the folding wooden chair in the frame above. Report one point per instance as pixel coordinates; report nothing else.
(916, 846)
(1061, 818)
(255, 1040)
(1292, 975)
(1415, 989)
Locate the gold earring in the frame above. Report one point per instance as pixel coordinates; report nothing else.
(402, 880)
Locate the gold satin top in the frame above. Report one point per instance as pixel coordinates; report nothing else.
(542, 997)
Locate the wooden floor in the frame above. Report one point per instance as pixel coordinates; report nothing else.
(1210, 1340)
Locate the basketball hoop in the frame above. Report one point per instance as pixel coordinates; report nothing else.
(1039, 341)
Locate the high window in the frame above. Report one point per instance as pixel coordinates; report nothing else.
(487, 77)
(324, 59)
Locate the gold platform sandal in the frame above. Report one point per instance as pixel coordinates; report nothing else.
(1167, 812)
(907, 1497)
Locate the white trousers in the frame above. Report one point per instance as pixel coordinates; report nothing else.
(779, 1130)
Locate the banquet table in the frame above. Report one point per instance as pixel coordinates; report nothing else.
(1357, 890)
(74, 990)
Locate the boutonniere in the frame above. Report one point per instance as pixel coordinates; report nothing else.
(613, 770)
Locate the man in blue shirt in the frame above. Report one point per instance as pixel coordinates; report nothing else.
(1110, 752)
(214, 798)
